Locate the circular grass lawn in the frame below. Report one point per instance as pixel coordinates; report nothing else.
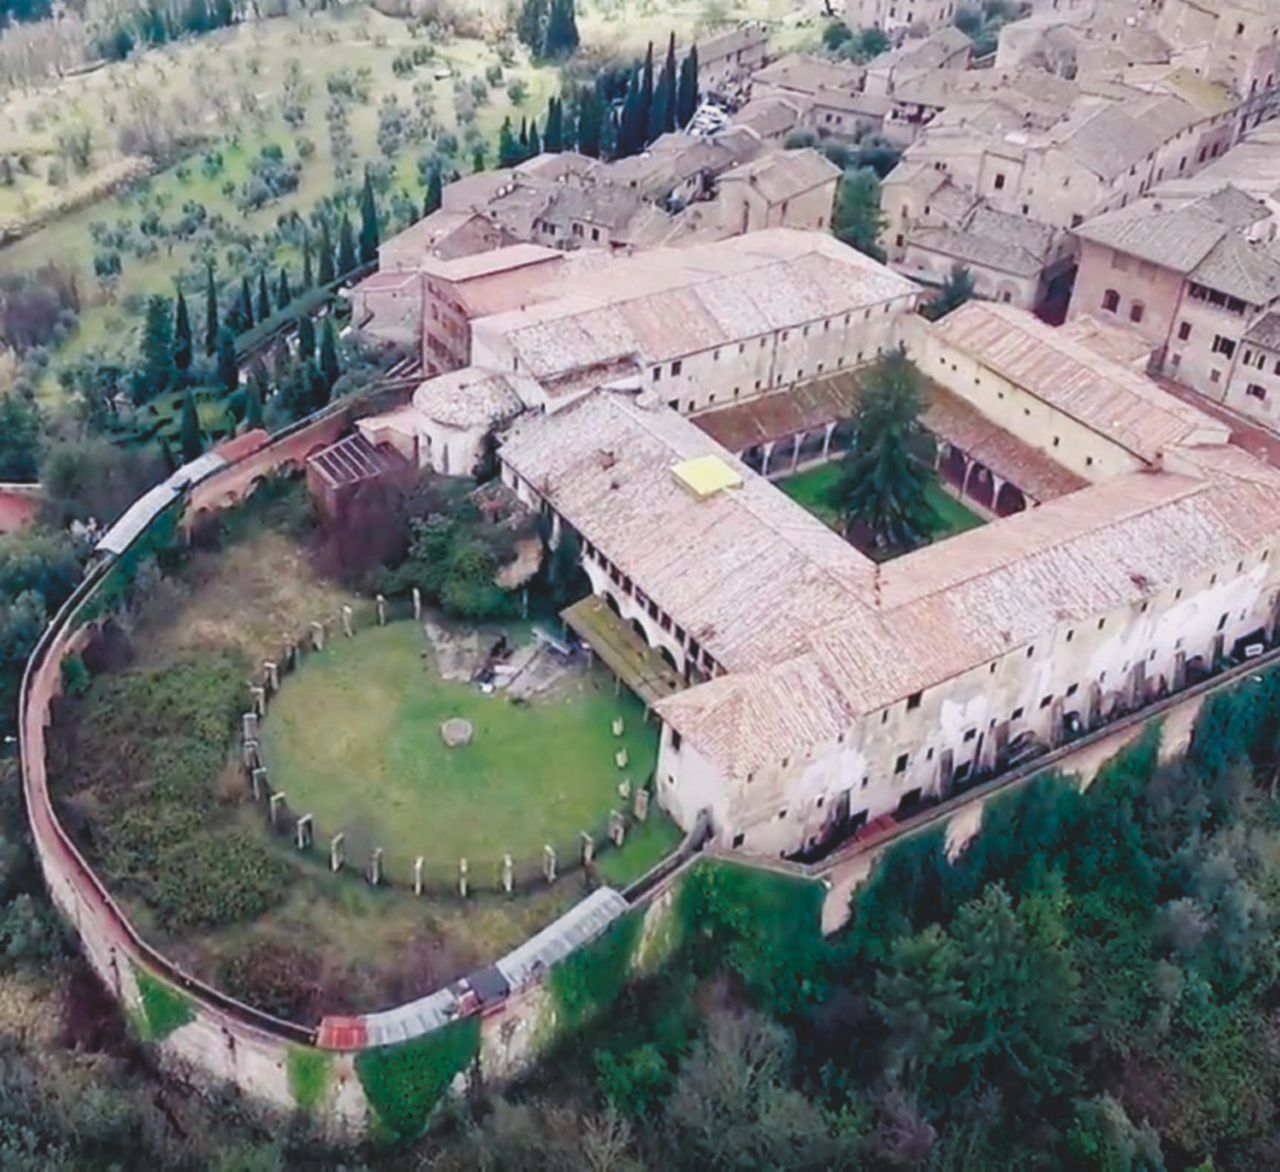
(354, 739)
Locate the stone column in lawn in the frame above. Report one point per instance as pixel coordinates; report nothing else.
(337, 852)
(588, 848)
(642, 804)
(258, 783)
(249, 726)
(508, 874)
(374, 871)
(249, 755)
(417, 875)
(549, 863)
(276, 806)
(617, 827)
(303, 833)
(271, 674)
(464, 884)
(258, 698)
(417, 604)
(381, 601)
(348, 626)
(317, 636)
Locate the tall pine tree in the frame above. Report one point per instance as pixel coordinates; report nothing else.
(228, 366)
(508, 147)
(560, 36)
(590, 121)
(156, 371)
(182, 348)
(210, 312)
(283, 293)
(662, 115)
(326, 273)
(246, 305)
(264, 298)
(435, 191)
(687, 92)
(531, 24)
(535, 141)
(329, 354)
(646, 97)
(306, 338)
(189, 429)
(253, 406)
(634, 122)
(368, 222)
(553, 136)
(308, 277)
(347, 260)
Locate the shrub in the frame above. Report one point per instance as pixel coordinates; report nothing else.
(404, 1083)
(164, 1008)
(308, 1077)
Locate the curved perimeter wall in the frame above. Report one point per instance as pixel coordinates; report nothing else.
(393, 1064)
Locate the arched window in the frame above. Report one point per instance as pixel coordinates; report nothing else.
(1136, 310)
(1111, 301)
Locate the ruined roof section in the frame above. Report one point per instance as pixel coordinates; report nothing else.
(1112, 400)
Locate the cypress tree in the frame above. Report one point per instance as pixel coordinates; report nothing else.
(156, 371)
(590, 117)
(228, 366)
(524, 139)
(167, 459)
(368, 222)
(531, 22)
(687, 97)
(264, 298)
(283, 294)
(326, 273)
(308, 279)
(535, 142)
(346, 247)
(553, 136)
(182, 351)
(253, 405)
(192, 443)
(662, 116)
(477, 157)
(306, 338)
(210, 312)
(435, 191)
(646, 97)
(329, 367)
(508, 148)
(246, 305)
(631, 129)
(560, 37)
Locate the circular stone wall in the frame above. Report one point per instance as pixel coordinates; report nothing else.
(456, 732)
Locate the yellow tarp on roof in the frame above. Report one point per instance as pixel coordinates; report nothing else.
(705, 476)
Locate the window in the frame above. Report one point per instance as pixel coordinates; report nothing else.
(676, 367)
(1222, 622)
(1031, 650)
(999, 182)
(1136, 311)
(913, 701)
(900, 766)
(1111, 301)
(1016, 714)
(657, 373)
(1184, 331)
(1046, 701)
(970, 734)
(676, 740)
(1256, 392)
(1223, 345)
(739, 839)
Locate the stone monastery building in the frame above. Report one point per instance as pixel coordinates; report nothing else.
(804, 689)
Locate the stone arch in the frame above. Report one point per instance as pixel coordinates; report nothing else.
(638, 627)
(1009, 500)
(981, 487)
(612, 603)
(953, 466)
(667, 657)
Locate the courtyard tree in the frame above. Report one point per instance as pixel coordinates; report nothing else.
(883, 486)
(228, 365)
(858, 220)
(953, 293)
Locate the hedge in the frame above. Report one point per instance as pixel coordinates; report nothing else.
(590, 979)
(404, 1083)
(308, 1077)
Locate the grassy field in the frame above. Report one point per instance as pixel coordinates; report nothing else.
(815, 488)
(354, 738)
(228, 91)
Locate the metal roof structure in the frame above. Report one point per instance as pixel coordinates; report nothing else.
(580, 924)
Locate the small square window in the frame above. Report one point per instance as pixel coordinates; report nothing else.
(739, 839)
(913, 701)
(900, 766)
(1046, 701)
(1016, 714)
(970, 734)
(1074, 688)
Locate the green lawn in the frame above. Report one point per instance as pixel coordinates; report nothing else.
(815, 488)
(354, 739)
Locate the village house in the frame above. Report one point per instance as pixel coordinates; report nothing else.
(899, 16)
(727, 60)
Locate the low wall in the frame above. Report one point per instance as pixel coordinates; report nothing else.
(206, 1037)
